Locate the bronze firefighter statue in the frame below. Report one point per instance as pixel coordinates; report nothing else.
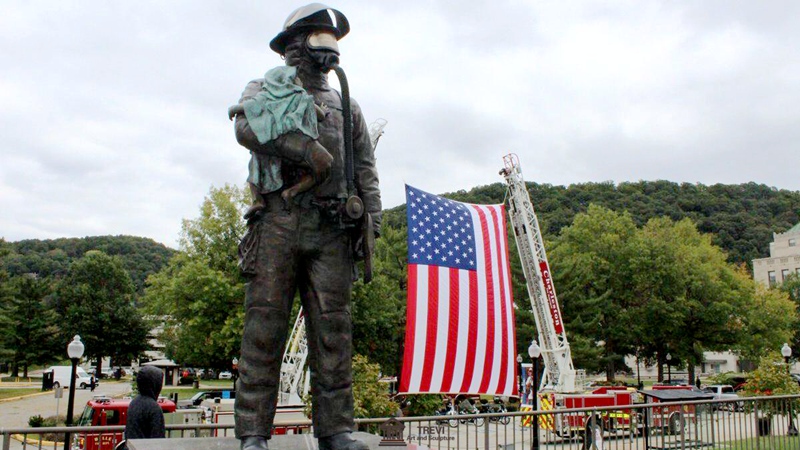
(316, 210)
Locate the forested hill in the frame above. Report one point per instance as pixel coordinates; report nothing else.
(140, 256)
(741, 217)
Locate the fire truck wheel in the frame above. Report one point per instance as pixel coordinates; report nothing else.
(676, 423)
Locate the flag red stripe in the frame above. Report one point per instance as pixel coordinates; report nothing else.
(488, 361)
(452, 333)
(411, 325)
(431, 334)
(472, 340)
(498, 261)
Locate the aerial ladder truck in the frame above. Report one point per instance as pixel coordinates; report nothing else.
(561, 387)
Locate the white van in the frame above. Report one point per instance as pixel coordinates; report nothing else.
(61, 376)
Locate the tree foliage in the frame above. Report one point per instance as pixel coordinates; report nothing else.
(370, 396)
(199, 296)
(216, 233)
(96, 301)
(51, 258)
(200, 310)
(663, 288)
(30, 327)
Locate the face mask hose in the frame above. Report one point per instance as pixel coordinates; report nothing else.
(354, 206)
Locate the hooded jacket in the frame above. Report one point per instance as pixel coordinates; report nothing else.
(145, 418)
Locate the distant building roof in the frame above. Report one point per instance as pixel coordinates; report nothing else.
(794, 229)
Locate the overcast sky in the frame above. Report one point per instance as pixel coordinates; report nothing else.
(114, 113)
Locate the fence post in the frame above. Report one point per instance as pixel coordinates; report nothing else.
(486, 432)
(755, 417)
(6, 440)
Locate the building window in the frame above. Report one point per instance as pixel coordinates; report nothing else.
(772, 280)
(784, 274)
(792, 242)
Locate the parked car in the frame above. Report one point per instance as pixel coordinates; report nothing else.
(725, 392)
(225, 375)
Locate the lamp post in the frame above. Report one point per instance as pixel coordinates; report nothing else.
(786, 352)
(75, 352)
(534, 352)
(669, 368)
(521, 379)
(235, 371)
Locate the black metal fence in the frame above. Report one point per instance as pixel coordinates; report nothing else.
(768, 423)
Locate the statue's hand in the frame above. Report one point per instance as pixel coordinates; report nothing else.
(234, 110)
(318, 160)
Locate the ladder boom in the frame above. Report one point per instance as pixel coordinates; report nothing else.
(559, 372)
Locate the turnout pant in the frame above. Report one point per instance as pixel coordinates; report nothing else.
(296, 249)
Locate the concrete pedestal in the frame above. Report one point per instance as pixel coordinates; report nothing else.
(284, 442)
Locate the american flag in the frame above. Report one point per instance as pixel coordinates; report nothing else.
(460, 315)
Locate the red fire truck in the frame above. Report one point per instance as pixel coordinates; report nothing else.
(102, 411)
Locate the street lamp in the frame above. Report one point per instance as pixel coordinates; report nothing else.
(534, 352)
(786, 352)
(235, 374)
(669, 368)
(75, 352)
(521, 379)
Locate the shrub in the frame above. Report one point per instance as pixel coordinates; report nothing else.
(35, 421)
(771, 378)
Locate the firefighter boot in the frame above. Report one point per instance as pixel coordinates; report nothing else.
(341, 441)
(254, 443)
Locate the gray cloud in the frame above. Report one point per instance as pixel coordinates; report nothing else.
(114, 113)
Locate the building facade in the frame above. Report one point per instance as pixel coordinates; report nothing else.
(784, 258)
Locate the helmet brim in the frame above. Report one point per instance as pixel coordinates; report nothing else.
(319, 18)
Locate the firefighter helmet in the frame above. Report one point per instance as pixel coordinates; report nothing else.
(313, 17)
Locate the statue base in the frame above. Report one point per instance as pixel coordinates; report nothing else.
(278, 442)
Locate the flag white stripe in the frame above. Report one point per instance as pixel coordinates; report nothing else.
(480, 258)
(463, 329)
(510, 361)
(421, 329)
(491, 222)
(441, 329)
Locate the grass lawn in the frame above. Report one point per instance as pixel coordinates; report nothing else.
(765, 443)
(8, 393)
(217, 383)
(21, 379)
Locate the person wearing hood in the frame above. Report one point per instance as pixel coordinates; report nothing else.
(145, 417)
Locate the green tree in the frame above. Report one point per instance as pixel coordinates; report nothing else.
(687, 294)
(768, 320)
(378, 308)
(216, 233)
(200, 310)
(96, 301)
(589, 262)
(198, 297)
(370, 396)
(791, 287)
(31, 334)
